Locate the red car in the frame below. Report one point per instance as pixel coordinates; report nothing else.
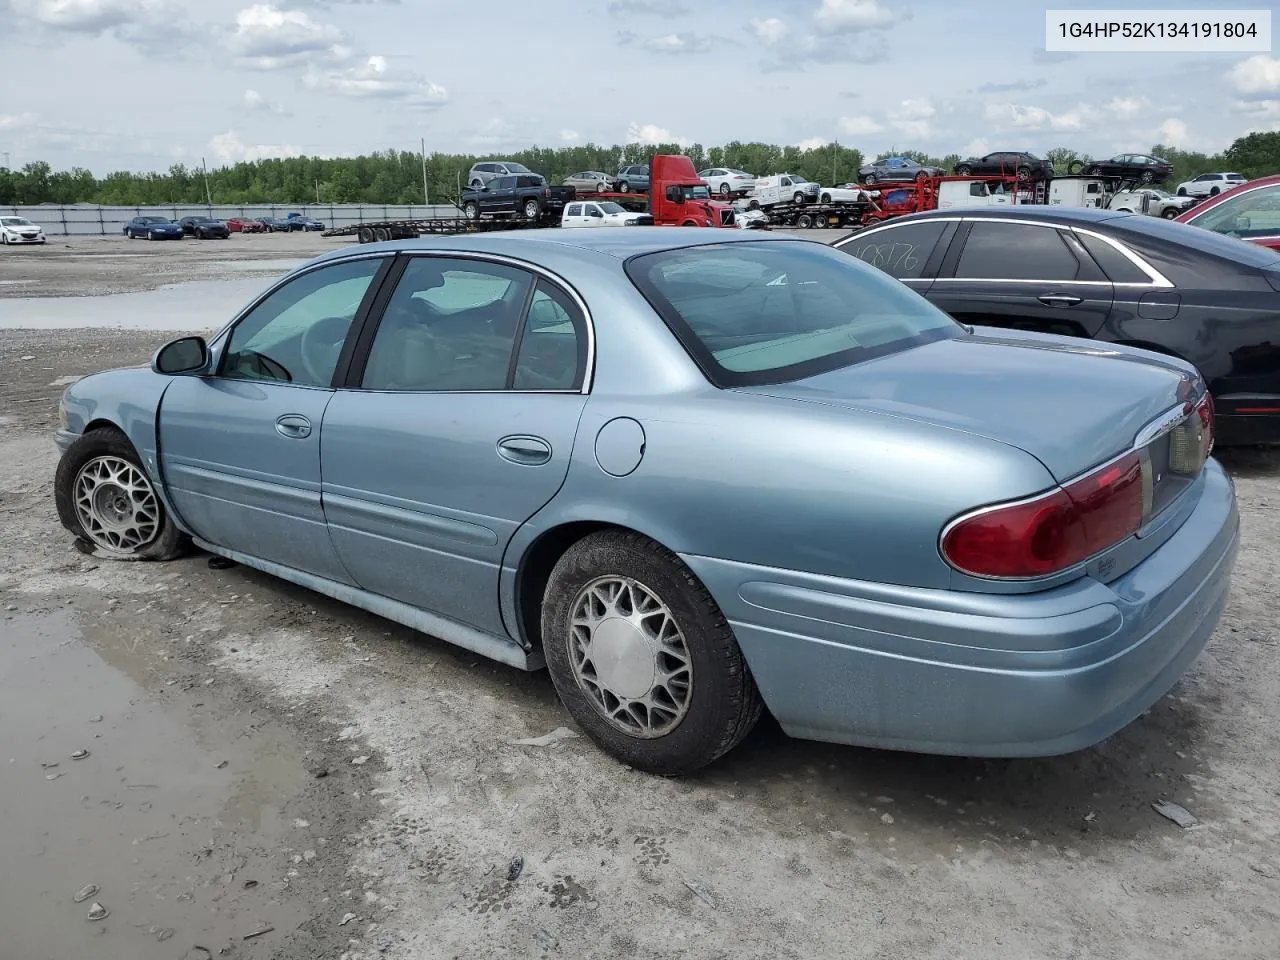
(1250, 211)
(245, 225)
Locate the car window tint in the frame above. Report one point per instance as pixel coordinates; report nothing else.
(574, 210)
(553, 346)
(1117, 267)
(1252, 214)
(450, 325)
(900, 251)
(296, 334)
(766, 312)
(1016, 251)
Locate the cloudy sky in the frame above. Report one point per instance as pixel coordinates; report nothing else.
(140, 84)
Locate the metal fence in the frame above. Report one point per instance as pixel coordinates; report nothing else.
(84, 219)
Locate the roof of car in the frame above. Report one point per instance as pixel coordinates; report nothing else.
(616, 242)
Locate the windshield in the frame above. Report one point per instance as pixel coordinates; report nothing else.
(154, 220)
(690, 192)
(610, 207)
(768, 312)
(15, 222)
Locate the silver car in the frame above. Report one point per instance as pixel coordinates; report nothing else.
(696, 474)
(591, 181)
(482, 173)
(896, 169)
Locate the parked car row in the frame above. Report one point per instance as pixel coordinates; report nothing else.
(150, 227)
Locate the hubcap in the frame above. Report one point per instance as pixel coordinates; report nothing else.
(629, 656)
(116, 505)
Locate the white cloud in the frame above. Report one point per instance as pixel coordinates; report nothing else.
(568, 136)
(853, 16)
(859, 126)
(254, 100)
(268, 38)
(652, 134)
(1268, 109)
(771, 30)
(1015, 116)
(230, 148)
(920, 109)
(1127, 108)
(15, 121)
(812, 143)
(88, 16)
(915, 129)
(1256, 76)
(678, 43)
(376, 79)
(661, 8)
(977, 147)
(1174, 132)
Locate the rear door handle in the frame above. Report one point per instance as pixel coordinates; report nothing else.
(1060, 300)
(528, 451)
(294, 426)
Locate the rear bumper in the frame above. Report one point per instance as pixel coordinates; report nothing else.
(949, 672)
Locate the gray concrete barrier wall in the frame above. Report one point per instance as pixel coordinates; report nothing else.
(82, 219)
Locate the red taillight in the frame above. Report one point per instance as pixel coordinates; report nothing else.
(1038, 537)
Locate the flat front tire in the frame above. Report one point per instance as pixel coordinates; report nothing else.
(105, 498)
(642, 657)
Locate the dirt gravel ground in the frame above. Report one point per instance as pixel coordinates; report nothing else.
(273, 775)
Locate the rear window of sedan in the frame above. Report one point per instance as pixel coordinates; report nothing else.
(769, 312)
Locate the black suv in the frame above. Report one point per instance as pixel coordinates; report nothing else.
(1025, 166)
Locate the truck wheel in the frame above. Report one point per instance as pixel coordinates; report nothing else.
(471, 211)
(804, 221)
(532, 209)
(381, 234)
(365, 235)
(1170, 213)
(642, 658)
(797, 197)
(1215, 191)
(825, 198)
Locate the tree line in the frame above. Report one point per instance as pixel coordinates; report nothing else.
(396, 176)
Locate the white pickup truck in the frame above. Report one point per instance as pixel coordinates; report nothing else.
(969, 193)
(602, 213)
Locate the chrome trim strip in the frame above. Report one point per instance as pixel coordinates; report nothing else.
(1157, 278)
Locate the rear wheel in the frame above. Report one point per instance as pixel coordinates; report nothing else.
(642, 657)
(1093, 171)
(1024, 173)
(532, 209)
(963, 170)
(364, 235)
(804, 221)
(825, 198)
(381, 234)
(471, 211)
(104, 497)
(1182, 191)
(1147, 176)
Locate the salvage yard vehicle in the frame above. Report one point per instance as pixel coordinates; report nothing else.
(634, 178)
(1210, 184)
(482, 173)
(728, 182)
(1152, 202)
(154, 228)
(782, 188)
(602, 213)
(477, 437)
(1249, 212)
(204, 228)
(302, 222)
(591, 181)
(20, 230)
(246, 225)
(527, 194)
(1025, 166)
(678, 197)
(849, 193)
(1139, 167)
(278, 225)
(896, 169)
(1121, 278)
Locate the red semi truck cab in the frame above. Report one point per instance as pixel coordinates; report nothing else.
(678, 197)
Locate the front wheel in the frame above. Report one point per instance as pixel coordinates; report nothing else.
(104, 497)
(825, 198)
(797, 197)
(1214, 191)
(471, 211)
(961, 171)
(1170, 213)
(725, 190)
(624, 187)
(1147, 176)
(642, 657)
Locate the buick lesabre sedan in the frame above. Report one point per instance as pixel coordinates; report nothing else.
(695, 474)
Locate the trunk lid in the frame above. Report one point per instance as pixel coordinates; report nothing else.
(1072, 404)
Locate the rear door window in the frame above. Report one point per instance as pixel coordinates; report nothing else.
(900, 251)
(1016, 251)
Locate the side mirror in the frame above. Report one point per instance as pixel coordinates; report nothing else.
(184, 355)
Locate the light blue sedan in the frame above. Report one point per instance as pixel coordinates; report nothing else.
(694, 473)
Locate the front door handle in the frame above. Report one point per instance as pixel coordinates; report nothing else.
(527, 451)
(1060, 300)
(294, 426)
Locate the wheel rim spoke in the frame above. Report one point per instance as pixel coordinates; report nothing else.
(116, 505)
(645, 639)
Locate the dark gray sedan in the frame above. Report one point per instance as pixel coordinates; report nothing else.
(895, 169)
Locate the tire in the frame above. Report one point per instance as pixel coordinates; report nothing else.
(1182, 191)
(825, 198)
(476, 184)
(804, 222)
(1213, 192)
(869, 178)
(922, 177)
(798, 197)
(713, 711)
(152, 236)
(471, 211)
(96, 462)
(1023, 173)
(624, 187)
(1147, 176)
(532, 209)
(963, 170)
(1094, 171)
(753, 205)
(725, 191)
(381, 234)
(1170, 213)
(364, 235)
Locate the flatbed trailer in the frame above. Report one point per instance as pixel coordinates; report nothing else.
(376, 231)
(806, 216)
